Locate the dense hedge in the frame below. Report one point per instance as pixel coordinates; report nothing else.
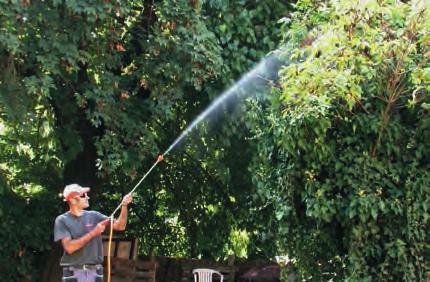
(343, 147)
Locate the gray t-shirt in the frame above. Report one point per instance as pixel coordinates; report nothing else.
(74, 227)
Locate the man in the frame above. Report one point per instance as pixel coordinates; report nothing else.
(79, 231)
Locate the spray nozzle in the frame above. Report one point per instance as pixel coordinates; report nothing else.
(160, 158)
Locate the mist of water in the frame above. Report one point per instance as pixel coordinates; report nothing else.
(256, 81)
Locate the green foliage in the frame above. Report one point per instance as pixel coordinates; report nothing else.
(26, 222)
(239, 243)
(343, 150)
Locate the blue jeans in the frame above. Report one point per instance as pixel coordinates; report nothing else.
(83, 274)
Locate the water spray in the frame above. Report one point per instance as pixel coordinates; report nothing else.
(259, 71)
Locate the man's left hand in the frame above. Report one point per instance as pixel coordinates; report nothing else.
(127, 200)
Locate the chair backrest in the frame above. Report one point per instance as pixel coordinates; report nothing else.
(205, 275)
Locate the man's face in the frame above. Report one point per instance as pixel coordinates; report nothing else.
(81, 201)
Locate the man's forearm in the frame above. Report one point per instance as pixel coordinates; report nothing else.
(121, 222)
(71, 246)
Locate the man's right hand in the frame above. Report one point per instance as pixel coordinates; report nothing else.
(99, 229)
(71, 246)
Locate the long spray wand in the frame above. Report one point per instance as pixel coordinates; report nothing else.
(159, 159)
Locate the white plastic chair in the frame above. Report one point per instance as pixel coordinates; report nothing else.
(205, 275)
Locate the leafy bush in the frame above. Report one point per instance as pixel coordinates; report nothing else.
(343, 150)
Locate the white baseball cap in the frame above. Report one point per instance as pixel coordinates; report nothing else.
(73, 190)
